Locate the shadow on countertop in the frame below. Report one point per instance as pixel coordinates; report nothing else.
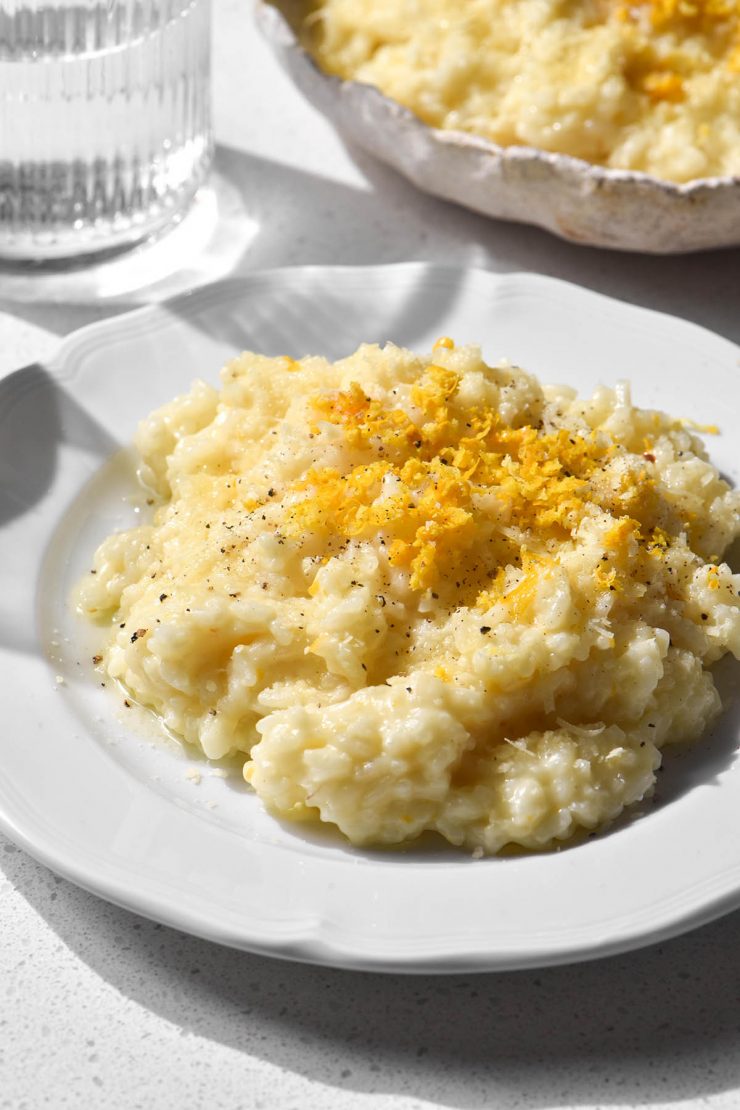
(302, 218)
(306, 219)
(651, 1026)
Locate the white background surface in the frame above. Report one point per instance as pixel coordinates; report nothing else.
(102, 1009)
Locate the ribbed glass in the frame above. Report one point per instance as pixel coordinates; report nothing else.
(104, 121)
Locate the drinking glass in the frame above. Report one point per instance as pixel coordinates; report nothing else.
(104, 122)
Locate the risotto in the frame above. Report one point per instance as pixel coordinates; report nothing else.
(651, 86)
(423, 593)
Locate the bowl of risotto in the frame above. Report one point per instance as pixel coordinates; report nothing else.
(608, 124)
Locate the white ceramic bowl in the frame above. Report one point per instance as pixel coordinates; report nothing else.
(572, 198)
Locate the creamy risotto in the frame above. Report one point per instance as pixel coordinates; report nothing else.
(652, 85)
(423, 593)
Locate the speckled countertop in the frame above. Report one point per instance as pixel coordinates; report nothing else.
(103, 1009)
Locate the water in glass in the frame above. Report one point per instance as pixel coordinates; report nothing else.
(104, 121)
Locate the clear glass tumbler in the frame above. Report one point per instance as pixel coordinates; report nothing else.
(104, 121)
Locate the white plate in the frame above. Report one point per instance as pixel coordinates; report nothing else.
(89, 791)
